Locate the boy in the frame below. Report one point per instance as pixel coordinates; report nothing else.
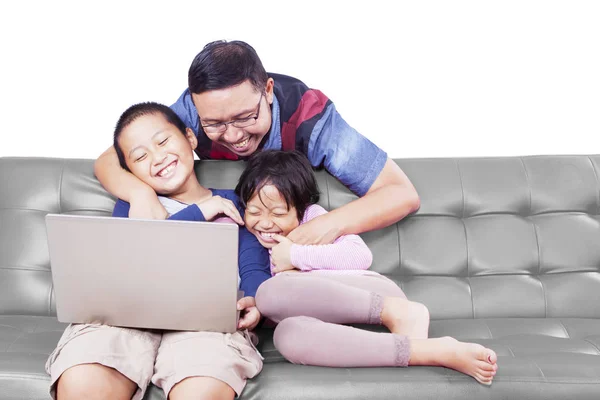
(100, 361)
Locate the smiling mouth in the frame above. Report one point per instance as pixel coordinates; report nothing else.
(166, 171)
(242, 144)
(268, 236)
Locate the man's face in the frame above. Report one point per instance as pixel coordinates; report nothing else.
(237, 103)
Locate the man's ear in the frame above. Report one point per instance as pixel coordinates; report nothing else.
(269, 90)
(191, 137)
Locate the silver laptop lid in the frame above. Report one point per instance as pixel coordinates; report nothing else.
(144, 273)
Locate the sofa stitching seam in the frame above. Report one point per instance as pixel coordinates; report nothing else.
(593, 345)
(565, 329)
(462, 191)
(597, 190)
(62, 171)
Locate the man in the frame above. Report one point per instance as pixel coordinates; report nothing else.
(235, 108)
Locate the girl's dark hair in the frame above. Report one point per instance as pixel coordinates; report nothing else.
(223, 64)
(139, 110)
(289, 171)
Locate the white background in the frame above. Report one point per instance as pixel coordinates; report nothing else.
(420, 79)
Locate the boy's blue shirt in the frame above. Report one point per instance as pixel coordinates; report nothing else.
(253, 258)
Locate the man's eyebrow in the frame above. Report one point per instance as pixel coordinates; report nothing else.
(137, 147)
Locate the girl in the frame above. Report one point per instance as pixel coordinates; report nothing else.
(317, 288)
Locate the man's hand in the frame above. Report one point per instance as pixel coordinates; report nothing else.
(320, 230)
(216, 205)
(281, 254)
(145, 205)
(250, 316)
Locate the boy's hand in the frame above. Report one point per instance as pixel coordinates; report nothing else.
(320, 230)
(217, 205)
(281, 254)
(250, 316)
(145, 205)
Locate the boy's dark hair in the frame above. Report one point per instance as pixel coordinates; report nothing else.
(289, 171)
(223, 64)
(139, 110)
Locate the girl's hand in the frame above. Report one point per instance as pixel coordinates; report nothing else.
(217, 205)
(280, 254)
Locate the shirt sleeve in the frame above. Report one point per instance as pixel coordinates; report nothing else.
(348, 252)
(349, 156)
(253, 258)
(253, 261)
(186, 110)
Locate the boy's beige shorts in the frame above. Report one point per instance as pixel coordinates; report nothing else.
(163, 358)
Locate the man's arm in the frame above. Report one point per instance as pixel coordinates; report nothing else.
(126, 186)
(386, 194)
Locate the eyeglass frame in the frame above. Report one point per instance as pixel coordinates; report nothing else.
(234, 121)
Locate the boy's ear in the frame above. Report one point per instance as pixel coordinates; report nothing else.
(191, 137)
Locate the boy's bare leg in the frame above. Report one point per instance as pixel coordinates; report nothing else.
(469, 358)
(201, 387)
(405, 317)
(94, 381)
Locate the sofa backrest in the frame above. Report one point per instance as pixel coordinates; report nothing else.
(494, 237)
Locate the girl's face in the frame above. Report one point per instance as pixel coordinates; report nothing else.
(268, 214)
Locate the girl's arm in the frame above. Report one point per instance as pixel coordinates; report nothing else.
(346, 253)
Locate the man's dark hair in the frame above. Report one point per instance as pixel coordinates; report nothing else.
(289, 171)
(223, 64)
(140, 110)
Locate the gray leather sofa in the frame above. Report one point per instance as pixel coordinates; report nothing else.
(504, 252)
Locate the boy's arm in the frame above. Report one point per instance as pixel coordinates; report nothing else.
(253, 261)
(124, 185)
(386, 195)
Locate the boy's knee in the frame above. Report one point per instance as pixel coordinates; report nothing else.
(94, 381)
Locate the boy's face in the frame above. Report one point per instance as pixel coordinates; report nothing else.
(269, 214)
(158, 153)
(241, 102)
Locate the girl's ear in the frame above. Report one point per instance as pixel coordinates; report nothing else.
(191, 137)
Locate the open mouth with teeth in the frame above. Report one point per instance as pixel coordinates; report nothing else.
(167, 171)
(242, 145)
(268, 236)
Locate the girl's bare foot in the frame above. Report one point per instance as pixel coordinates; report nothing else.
(405, 317)
(469, 358)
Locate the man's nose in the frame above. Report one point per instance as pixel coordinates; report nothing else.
(233, 134)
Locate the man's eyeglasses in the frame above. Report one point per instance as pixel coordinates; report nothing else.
(221, 127)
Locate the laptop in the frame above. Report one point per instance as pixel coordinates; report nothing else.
(156, 274)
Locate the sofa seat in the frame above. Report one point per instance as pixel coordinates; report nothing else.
(25, 344)
(538, 358)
